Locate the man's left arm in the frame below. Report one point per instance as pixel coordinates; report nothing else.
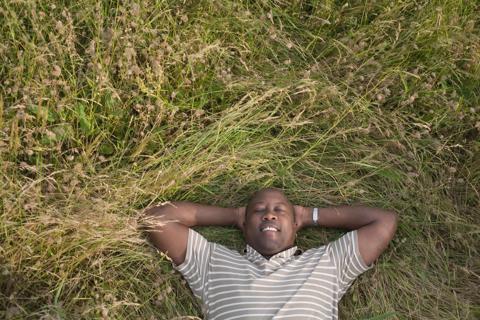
(375, 227)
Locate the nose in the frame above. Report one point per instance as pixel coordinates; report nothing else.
(269, 215)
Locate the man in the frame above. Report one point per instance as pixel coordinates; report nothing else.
(272, 280)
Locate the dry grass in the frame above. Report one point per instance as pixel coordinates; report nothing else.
(106, 108)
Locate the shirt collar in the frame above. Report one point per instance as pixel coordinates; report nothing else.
(254, 255)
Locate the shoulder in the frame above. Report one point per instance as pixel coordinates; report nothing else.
(223, 252)
(345, 244)
(316, 254)
(344, 241)
(315, 251)
(196, 239)
(345, 252)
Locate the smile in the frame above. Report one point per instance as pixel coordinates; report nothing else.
(269, 229)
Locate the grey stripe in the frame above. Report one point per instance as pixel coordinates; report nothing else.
(233, 286)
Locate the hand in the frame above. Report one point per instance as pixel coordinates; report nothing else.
(240, 212)
(302, 216)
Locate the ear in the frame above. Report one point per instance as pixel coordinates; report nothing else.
(296, 227)
(299, 213)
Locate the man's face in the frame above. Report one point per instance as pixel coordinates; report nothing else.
(269, 223)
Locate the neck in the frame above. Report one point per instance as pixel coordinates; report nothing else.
(268, 256)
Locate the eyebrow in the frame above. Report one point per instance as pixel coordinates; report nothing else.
(284, 203)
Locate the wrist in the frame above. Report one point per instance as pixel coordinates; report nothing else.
(308, 217)
(315, 216)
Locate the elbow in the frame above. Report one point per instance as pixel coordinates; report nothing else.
(153, 219)
(154, 211)
(391, 223)
(393, 216)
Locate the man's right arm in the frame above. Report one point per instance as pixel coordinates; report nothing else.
(167, 225)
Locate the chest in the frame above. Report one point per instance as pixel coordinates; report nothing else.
(271, 287)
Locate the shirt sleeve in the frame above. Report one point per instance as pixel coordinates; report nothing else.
(195, 267)
(348, 262)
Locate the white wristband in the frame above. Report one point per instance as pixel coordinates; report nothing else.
(315, 216)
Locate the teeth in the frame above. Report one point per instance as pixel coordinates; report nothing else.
(269, 229)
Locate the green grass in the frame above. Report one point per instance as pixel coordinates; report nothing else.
(106, 108)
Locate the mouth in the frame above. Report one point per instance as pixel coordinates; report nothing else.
(269, 228)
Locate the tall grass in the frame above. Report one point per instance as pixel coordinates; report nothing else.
(108, 107)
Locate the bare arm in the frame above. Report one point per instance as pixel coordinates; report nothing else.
(376, 227)
(167, 225)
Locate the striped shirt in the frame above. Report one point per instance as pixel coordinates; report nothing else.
(288, 285)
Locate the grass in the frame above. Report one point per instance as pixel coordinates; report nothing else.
(108, 107)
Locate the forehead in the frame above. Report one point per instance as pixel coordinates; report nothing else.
(269, 196)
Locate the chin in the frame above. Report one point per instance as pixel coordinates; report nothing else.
(269, 251)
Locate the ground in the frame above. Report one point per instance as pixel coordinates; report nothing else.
(107, 107)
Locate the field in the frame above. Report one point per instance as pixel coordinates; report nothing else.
(107, 107)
